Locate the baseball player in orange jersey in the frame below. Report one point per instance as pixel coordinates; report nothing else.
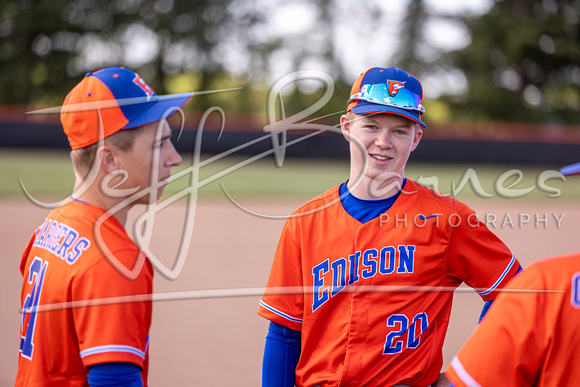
(533, 330)
(376, 257)
(81, 253)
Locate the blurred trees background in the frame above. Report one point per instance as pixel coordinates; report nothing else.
(520, 60)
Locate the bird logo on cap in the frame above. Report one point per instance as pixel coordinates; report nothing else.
(143, 85)
(394, 87)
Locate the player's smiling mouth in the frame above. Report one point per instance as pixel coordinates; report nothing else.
(381, 158)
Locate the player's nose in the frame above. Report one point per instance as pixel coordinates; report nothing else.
(383, 139)
(174, 158)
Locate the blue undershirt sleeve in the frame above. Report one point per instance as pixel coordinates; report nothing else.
(281, 355)
(484, 310)
(115, 374)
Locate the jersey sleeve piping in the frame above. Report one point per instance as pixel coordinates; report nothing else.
(280, 313)
(501, 278)
(112, 348)
(462, 373)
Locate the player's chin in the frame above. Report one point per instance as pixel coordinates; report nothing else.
(160, 191)
(161, 188)
(380, 172)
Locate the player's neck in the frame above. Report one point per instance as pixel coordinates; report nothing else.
(106, 203)
(374, 189)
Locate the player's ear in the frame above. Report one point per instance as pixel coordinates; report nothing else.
(416, 137)
(345, 126)
(107, 155)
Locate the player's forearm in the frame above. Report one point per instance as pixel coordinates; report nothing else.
(281, 355)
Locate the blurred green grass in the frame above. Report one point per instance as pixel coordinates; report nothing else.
(49, 174)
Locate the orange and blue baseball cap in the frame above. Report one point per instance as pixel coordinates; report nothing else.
(123, 100)
(387, 90)
(572, 169)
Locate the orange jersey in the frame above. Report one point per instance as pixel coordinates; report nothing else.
(530, 335)
(63, 267)
(377, 296)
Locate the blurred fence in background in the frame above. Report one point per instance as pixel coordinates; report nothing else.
(458, 142)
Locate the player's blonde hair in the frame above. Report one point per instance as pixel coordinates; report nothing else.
(83, 158)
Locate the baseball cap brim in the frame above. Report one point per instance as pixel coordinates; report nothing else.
(569, 170)
(160, 107)
(364, 107)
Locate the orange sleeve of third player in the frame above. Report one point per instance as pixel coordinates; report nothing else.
(283, 300)
(507, 347)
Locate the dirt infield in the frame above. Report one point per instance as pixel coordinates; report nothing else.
(218, 341)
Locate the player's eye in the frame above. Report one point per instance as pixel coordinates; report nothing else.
(161, 143)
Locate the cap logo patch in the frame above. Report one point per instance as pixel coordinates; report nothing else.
(143, 85)
(394, 87)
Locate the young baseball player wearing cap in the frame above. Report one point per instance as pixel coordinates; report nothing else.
(376, 258)
(533, 328)
(81, 253)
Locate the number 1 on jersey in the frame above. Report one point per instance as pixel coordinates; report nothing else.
(36, 275)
